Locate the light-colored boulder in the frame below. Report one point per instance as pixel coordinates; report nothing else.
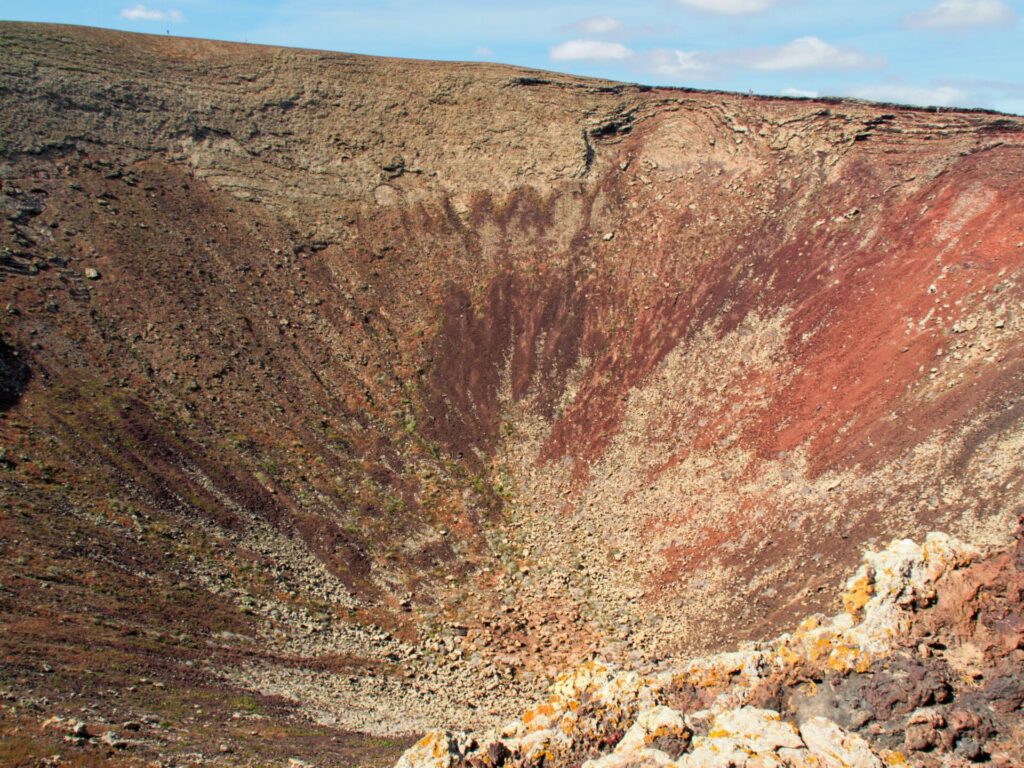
(643, 758)
(757, 730)
(652, 724)
(743, 738)
(835, 747)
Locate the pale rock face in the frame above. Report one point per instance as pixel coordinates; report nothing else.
(740, 736)
(652, 724)
(756, 730)
(586, 706)
(559, 723)
(896, 578)
(635, 747)
(740, 669)
(721, 753)
(877, 604)
(835, 747)
(642, 758)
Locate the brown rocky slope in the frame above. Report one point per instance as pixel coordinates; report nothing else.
(345, 398)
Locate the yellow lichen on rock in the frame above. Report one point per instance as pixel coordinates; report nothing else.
(892, 758)
(597, 708)
(857, 594)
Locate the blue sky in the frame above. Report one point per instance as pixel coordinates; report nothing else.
(942, 52)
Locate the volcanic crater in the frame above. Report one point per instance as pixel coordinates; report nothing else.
(343, 399)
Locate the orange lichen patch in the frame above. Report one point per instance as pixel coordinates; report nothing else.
(623, 706)
(857, 594)
(547, 710)
(704, 677)
(439, 748)
(788, 657)
(426, 741)
(723, 671)
(844, 658)
(814, 644)
(892, 758)
(820, 648)
(809, 624)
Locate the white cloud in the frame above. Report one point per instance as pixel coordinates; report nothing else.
(959, 14)
(940, 96)
(597, 25)
(728, 7)
(799, 93)
(142, 13)
(483, 52)
(673, 63)
(575, 50)
(993, 94)
(806, 53)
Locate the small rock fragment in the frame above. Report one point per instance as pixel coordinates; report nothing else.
(78, 729)
(111, 740)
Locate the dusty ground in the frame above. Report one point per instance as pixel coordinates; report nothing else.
(337, 399)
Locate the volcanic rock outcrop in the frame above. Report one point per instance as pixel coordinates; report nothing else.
(923, 666)
(343, 399)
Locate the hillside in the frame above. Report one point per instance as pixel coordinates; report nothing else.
(343, 398)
